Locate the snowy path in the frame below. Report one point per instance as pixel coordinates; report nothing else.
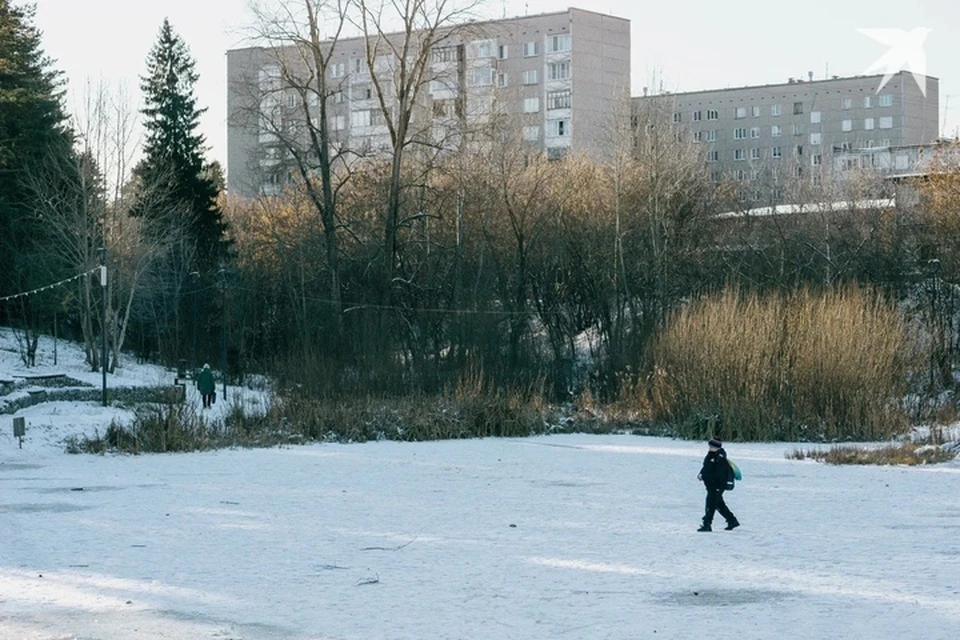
(392, 540)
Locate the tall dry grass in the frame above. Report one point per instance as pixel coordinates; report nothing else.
(807, 366)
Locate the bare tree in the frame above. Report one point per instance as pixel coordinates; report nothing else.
(303, 58)
(399, 64)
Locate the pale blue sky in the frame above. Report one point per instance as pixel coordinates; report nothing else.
(690, 45)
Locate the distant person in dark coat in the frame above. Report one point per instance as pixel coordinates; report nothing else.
(206, 385)
(714, 475)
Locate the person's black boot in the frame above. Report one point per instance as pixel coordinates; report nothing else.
(704, 527)
(732, 524)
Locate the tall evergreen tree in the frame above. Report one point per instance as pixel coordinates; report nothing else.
(33, 131)
(173, 164)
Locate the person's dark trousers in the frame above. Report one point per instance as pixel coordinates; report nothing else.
(206, 400)
(715, 503)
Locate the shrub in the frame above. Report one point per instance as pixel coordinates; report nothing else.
(808, 366)
(904, 453)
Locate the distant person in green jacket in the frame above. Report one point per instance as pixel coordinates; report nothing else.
(207, 385)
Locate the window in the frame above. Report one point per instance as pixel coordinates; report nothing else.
(868, 124)
(816, 180)
(755, 153)
(797, 108)
(776, 153)
(846, 103)
(338, 123)
(815, 138)
(885, 100)
(558, 43)
(775, 110)
(481, 76)
(716, 176)
(677, 117)
(291, 100)
(739, 134)
(558, 127)
(360, 118)
(754, 132)
(713, 114)
(886, 122)
(443, 108)
(740, 175)
(696, 116)
(338, 70)
(816, 160)
(902, 162)
(559, 100)
(814, 117)
(444, 54)
(361, 92)
(740, 112)
(797, 129)
(713, 156)
(339, 97)
(482, 48)
(799, 172)
(712, 135)
(867, 102)
(531, 76)
(698, 136)
(755, 111)
(502, 52)
(799, 150)
(357, 64)
(558, 70)
(502, 80)
(776, 131)
(754, 174)
(531, 105)
(847, 125)
(531, 133)
(739, 155)
(530, 49)
(885, 142)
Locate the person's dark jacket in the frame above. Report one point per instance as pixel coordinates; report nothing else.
(715, 469)
(205, 382)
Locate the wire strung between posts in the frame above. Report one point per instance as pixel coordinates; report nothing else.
(360, 306)
(24, 294)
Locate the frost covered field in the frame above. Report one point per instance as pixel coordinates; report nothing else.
(553, 537)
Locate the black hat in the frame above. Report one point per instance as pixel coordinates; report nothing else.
(715, 442)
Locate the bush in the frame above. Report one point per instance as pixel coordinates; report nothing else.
(904, 453)
(808, 366)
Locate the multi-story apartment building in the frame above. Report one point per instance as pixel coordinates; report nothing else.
(559, 77)
(796, 130)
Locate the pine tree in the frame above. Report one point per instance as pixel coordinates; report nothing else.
(33, 131)
(173, 164)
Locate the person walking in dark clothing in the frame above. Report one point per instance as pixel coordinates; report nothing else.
(714, 475)
(206, 385)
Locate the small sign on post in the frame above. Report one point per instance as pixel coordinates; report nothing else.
(19, 429)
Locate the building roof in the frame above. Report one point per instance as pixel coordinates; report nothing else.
(474, 23)
(784, 85)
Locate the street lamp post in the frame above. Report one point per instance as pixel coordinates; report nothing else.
(103, 307)
(223, 328)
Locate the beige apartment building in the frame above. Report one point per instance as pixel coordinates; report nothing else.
(801, 129)
(560, 78)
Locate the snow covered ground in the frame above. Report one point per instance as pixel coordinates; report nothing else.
(552, 537)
